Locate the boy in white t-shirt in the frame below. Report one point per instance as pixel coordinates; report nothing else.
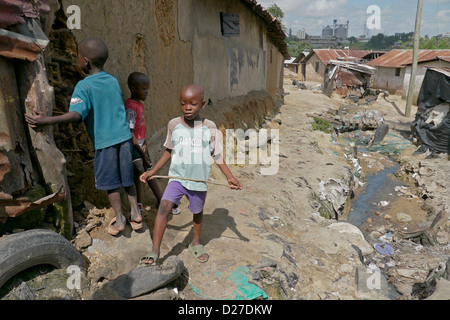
(190, 143)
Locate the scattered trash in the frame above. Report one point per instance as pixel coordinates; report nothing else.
(384, 249)
(335, 191)
(403, 217)
(246, 290)
(383, 203)
(432, 125)
(386, 238)
(402, 190)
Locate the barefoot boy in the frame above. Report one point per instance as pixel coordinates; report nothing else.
(97, 100)
(139, 84)
(190, 143)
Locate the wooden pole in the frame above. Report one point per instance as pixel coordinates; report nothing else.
(412, 82)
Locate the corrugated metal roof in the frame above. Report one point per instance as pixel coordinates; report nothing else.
(447, 58)
(337, 54)
(13, 11)
(401, 58)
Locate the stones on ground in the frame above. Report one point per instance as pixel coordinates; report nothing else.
(144, 280)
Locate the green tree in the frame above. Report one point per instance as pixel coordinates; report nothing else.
(276, 12)
(297, 47)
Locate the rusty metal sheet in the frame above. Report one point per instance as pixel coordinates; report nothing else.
(10, 208)
(326, 55)
(349, 79)
(400, 58)
(15, 45)
(16, 169)
(13, 11)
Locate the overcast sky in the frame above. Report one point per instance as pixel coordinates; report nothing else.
(396, 15)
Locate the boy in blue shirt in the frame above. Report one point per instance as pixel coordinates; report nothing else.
(97, 100)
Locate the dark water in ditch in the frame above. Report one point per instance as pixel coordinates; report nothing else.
(378, 187)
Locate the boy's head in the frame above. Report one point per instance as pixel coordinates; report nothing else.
(92, 53)
(139, 84)
(192, 101)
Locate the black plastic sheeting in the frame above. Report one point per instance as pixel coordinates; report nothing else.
(435, 91)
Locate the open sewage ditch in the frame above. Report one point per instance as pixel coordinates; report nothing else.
(390, 207)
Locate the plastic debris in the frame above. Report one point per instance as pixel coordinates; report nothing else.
(384, 249)
(383, 203)
(386, 238)
(403, 217)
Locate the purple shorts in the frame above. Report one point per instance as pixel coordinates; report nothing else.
(175, 191)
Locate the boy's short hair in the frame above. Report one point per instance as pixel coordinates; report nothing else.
(95, 50)
(136, 78)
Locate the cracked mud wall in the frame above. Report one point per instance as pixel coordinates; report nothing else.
(140, 36)
(179, 42)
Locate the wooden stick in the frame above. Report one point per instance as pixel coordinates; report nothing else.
(194, 180)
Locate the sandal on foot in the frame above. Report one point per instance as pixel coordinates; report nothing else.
(112, 228)
(151, 256)
(198, 251)
(135, 225)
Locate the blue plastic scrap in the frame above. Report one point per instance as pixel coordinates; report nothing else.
(384, 249)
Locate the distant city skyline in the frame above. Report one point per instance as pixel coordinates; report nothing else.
(396, 16)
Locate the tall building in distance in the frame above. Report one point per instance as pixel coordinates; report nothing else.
(333, 36)
(339, 31)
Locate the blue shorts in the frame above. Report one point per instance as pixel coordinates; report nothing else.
(113, 166)
(175, 191)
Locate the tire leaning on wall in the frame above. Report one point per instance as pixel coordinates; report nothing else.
(27, 249)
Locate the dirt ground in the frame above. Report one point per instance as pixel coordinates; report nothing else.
(272, 233)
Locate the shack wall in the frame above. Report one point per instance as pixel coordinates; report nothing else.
(179, 42)
(311, 74)
(386, 79)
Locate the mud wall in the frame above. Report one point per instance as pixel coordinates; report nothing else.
(311, 74)
(179, 42)
(141, 36)
(386, 79)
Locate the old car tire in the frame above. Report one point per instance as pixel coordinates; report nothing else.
(35, 247)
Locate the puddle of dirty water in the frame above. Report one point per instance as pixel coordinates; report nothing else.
(378, 187)
(380, 183)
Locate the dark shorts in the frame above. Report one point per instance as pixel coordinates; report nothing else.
(137, 156)
(175, 191)
(113, 167)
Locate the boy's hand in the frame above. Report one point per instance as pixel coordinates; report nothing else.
(147, 176)
(146, 160)
(235, 184)
(36, 121)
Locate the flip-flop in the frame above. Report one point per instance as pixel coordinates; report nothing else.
(149, 256)
(197, 251)
(135, 225)
(112, 229)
